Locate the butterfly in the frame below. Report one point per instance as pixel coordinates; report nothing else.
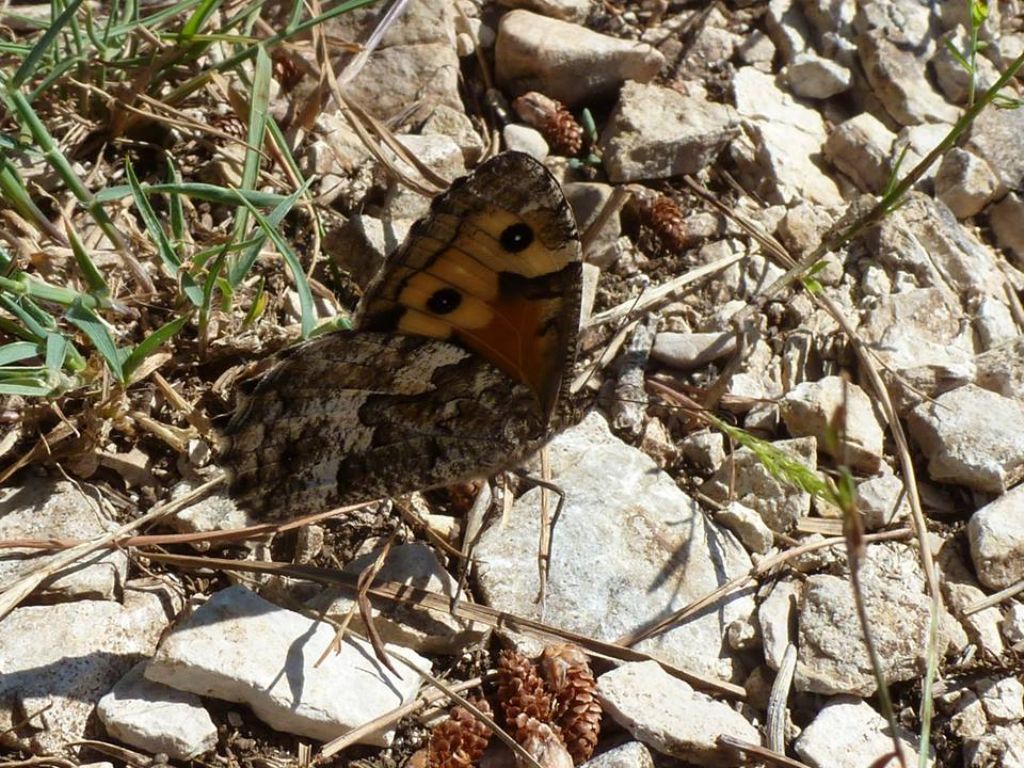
(455, 368)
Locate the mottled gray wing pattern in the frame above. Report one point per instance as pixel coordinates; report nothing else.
(354, 416)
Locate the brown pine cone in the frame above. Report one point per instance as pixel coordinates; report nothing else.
(665, 218)
(521, 689)
(553, 120)
(459, 741)
(543, 742)
(577, 712)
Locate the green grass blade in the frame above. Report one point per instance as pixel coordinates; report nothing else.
(17, 351)
(247, 258)
(16, 194)
(54, 74)
(209, 287)
(151, 343)
(76, 39)
(90, 273)
(23, 285)
(294, 266)
(42, 47)
(258, 305)
(257, 129)
(175, 208)
(56, 351)
(154, 227)
(31, 328)
(332, 324)
(196, 21)
(30, 120)
(211, 193)
(33, 382)
(89, 323)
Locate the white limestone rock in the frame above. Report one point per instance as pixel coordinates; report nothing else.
(157, 718)
(624, 551)
(239, 647)
(566, 61)
(666, 714)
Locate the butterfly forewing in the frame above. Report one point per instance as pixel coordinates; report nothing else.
(496, 267)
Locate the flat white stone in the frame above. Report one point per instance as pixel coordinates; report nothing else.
(656, 132)
(881, 500)
(810, 409)
(813, 77)
(861, 147)
(417, 57)
(918, 141)
(1013, 625)
(44, 509)
(995, 137)
(439, 153)
(1005, 218)
(523, 138)
(965, 183)
(832, 656)
(588, 199)
(924, 239)
(787, 136)
(628, 547)
(157, 718)
(687, 351)
(666, 714)
(1001, 369)
(414, 565)
(897, 79)
(967, 716)
(454, 123)
(918, 334)
(971, 437)
(952, 77)
(213, 512)
(996, 535)
(58, 660)
(1003, 700)
(632, 754)
(960, 590)
(567, 10)
(849, 733)
(748, 526)
(705, 449)
(787, 27)
(566, 61)
(239, 647)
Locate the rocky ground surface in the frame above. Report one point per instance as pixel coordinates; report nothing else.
(791, 117)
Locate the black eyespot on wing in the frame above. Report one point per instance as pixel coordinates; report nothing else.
(516, 237)
(444, 300)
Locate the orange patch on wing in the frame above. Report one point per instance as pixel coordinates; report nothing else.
(518, 344)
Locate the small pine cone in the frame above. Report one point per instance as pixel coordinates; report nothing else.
(459, 741)
(553, 120)
(542, 741)
(577, 711)
(663, 215)
(285, 70)
(521, 689)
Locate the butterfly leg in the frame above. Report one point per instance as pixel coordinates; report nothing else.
(547, 527)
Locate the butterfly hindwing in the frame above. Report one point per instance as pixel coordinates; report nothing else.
(353, 416)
